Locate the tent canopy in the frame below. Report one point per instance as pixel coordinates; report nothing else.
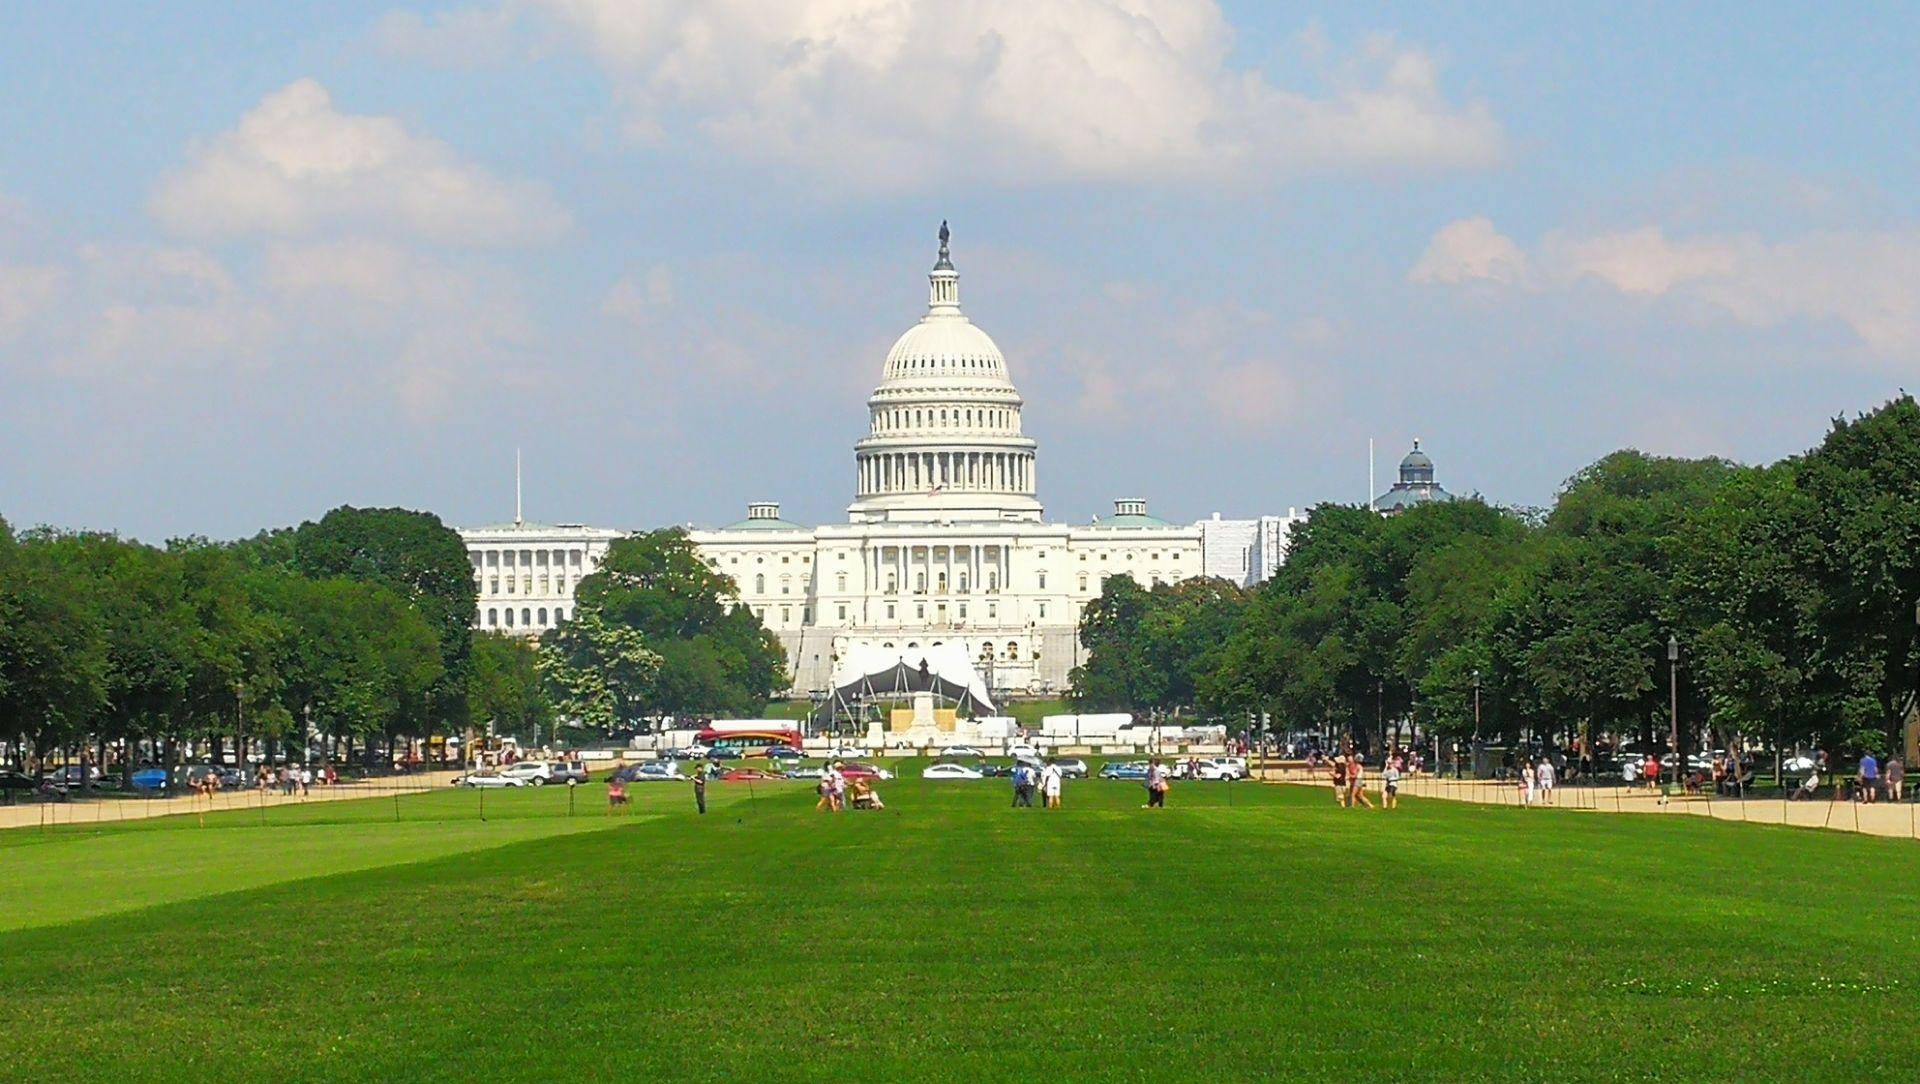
(946, 669)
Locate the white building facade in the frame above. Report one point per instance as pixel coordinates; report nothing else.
(1245, 551)
(525, 573)
(945, 539)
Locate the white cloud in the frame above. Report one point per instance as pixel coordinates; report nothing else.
(1866, 282)
(886, 92)
(24, 291)
(1471, 250)
(297, 166)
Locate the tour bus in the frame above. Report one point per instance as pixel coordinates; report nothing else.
(750, 737)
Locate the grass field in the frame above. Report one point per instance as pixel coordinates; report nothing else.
(1246, 933)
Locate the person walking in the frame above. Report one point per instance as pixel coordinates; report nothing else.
(1390, 784)
(1896, 773)
(1357, 783)
(1869, 777)
(700, 792)
(1156, 786)
(1050, 785)
(1022, 786)
(1544, 780)
(1340, 779)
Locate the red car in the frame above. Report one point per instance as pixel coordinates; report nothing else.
(854, 769)
(743, 775)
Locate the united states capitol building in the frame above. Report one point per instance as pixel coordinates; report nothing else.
(945, 540)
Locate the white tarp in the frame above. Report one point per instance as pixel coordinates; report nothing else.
(864, 672)
(1100, 727)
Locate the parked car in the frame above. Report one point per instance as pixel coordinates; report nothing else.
(964, 751)
(1071, 767)
(535, 772)
(854, 769)
(849, 751)
(951, 771)
(1223, 768)
(694, 750)
(805, 773)
(489, 780)
(73, 776)
(1022, 752)
(721, 752)
(14, 783)
(784, 752)
(568, 771)
(994, 771)
(747, 775)
(150, 779)
(1132, 770)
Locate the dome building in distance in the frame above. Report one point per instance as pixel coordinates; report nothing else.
(945, 540)
(1416, 485)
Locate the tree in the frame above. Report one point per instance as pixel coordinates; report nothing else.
(54, 669)
(413, 553)
(504, 688)
(654, 594)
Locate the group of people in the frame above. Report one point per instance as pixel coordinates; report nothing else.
(1350, 779)
(1535, 780)
(1044, 780)
(839, 792)
(1876, 780)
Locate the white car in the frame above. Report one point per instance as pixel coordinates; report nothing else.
(536, 772)
(849, 751)
(1023, 752)
(658, 771)
(964, 751)
(1224, 768)
(1797, 763)
(950, 771)
(489, 779)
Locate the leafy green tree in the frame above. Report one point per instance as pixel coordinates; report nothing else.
(504, 687)
(711, 656)
(54, 667)
(415, 554)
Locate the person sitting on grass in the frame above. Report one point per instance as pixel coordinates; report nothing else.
(864, 796)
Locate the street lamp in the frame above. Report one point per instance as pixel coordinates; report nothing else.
(1476, 730)
(1673, 685)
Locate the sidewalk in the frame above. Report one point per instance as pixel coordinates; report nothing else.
(1900, 819)
(113, 807)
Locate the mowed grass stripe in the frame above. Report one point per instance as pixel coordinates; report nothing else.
(951, 937)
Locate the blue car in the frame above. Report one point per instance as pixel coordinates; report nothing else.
(1135, 772)
(150, 779)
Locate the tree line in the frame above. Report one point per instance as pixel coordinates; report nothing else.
(1791, 593)
(350, 635)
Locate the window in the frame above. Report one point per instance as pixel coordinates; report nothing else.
(1043, 611)
(759, 583)
(920, 583)
(526, 616)
(963, 611)
(786, 614)
(840, 582)
(493, 586)
(509, 558)
(963, 583)
(543, 616)
(1043, 581)
(493, 619)
(573, 558)
(889, 611)
(540, 558)
(842, 615)
(786, 585)
(1083, 581)
(509, 618)
(493, 558)
(784, 558)
(806, 615)
(993, 582)
(559, 615)
(993, 610)
(509, 585)
(893, 583)
(920, 611)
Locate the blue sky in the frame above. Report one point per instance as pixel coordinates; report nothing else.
(255, 263)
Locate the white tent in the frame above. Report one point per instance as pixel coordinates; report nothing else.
(867, 673)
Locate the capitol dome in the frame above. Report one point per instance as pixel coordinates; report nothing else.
(944, 440)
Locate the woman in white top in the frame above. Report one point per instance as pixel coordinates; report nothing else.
(1050, 786)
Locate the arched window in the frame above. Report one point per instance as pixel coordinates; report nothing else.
(1083, 581)
(493, 618)
(1043, 581)
(1013, 649)
(840, 582)
(559, 615)
(786, 585)
(543, 617)
(526, 616)
(759, 583)
(509, 618)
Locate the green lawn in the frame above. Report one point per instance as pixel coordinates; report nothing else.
(1249, 933)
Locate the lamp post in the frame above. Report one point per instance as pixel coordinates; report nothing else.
(1673, 688)
(1476, 723)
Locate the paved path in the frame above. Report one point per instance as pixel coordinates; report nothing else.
(108, 809)
(1880, 819)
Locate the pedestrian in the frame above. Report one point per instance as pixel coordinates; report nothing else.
(1340, 779)
(1390, 784)
(1543, 778)
(1157, 786)
(1527, 782)
(825, 804)
(700, 792)
(306, 779)
(1050, 786)
(1357, 783)
(1896, 773)
(1869, 777)
(836, 789)
(1022, 786)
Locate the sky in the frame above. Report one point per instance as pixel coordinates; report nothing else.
(257, 261)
